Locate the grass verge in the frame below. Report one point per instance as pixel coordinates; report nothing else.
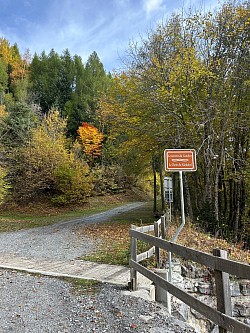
(114, 236)
(16, 221)
(13, 218)
(115, 239)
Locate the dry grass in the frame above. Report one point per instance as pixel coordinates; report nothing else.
(115, 239)
(194, 238)
(114, 248)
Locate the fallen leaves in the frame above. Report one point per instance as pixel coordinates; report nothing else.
(196, 239)
(115, 241)
(133, 326)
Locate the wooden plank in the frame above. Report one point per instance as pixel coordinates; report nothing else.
(145, 228)
(220, 264)
(158, 222)
(133, 256)
(215, 316)
(146, 254)
(163, 227)
(151, 251)
(223, 293)
(142, 256)
(157, 249)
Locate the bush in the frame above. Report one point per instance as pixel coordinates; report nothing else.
(46, 166)
(109, 179)
(4, 186)
(72, 182)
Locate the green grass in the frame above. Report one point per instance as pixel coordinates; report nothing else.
(142, 215)
(117, 255)
(114, 236)
(13, 220)
(78, 285)
(82, 286)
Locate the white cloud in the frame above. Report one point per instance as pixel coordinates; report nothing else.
(84, 26)
(152, 5)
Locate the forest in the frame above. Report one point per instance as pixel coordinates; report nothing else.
(70, 130)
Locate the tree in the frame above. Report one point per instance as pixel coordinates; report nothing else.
(96, 81)
(48, 169)
(14, 68)
(91, 141)
(76, 109)
(183, 89)
(124, 111)
(18, 121)
(64, 82)
(44, 77)
(3, 80)
(67, 78)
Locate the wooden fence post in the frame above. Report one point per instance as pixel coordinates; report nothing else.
(163, 227)
(133, 255)
(157, 250)
(223, 293)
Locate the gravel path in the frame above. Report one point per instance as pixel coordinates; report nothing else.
(39, 304)
(59, 241)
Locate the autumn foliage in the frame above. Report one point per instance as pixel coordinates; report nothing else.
(185, 85)
(91, 140)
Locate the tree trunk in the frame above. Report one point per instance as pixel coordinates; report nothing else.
(207, 197)
(162, 190)
(155, 189)
(225, 201)
(188, 197)
(216, 197)
(237, 213)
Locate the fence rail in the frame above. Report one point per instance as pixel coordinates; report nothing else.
(222, 267)
(229, 266)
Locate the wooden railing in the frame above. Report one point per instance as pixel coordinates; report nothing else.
(222, 316)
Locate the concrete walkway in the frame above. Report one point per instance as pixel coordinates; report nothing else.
(113, 274)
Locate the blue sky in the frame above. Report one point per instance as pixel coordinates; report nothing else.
(84, 26)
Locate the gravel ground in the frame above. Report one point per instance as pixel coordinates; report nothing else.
(36, 304)
(39, 304)
(59, 241)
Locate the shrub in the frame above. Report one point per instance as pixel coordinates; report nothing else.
(72, 182)
(4, 186)
(109, 179)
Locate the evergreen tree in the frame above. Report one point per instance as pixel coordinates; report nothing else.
(75, 108)
(96, 82)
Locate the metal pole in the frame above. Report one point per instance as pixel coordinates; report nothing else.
(177, 232)
(170, 212)
(182, 209)
(169, 306)
(169, 253)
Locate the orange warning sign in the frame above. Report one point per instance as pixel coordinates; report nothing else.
(180, 160)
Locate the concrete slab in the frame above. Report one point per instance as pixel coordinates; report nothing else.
(113, 274)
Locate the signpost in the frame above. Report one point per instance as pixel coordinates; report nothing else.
(179, 160)
(168, 189)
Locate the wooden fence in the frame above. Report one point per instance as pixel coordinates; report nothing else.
(222, 316)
